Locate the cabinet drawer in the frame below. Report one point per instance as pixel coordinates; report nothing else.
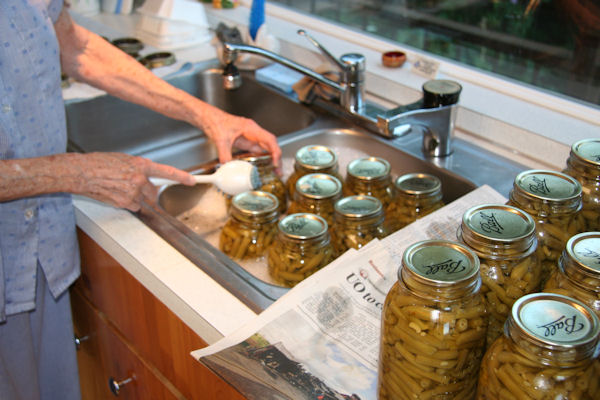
(158, 335)
(104, 355)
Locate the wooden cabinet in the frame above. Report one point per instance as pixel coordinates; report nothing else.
(127, 332)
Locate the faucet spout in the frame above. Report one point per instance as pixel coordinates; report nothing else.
(231, 50)
(436, 125)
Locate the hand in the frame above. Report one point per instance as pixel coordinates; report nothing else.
(227, 130)
(120, 179)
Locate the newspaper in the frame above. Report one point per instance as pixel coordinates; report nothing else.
(321, 339)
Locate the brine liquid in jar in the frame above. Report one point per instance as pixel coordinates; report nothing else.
(505, 240)
(312, 159)
(252, 225)
(553, 200)
(434, 324)
(317, 194)
(357, 220)
(548, 351)
(302, 247)
(416, 195)
(578, 273)
(583, 164)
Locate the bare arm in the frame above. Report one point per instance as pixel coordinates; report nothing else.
(91, 59)
(114, 178)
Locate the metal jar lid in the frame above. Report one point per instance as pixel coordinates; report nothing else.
(316, 157)
(564, 328)
(258, 160)
(582, 256)
(419, 185)
(303, 226)
(255, 205)
(319, 186)
(358, 207)
(157, 60)
(129, 45)
(550, 187)
(369, 168)
(440, 263)
(587, 151)
(490, 227)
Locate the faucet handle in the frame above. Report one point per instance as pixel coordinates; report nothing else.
(440, 92)
(323, 50)
(352, 65)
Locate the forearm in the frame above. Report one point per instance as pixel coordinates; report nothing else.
(89, 58)
(35, 176)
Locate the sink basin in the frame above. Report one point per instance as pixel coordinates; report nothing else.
(184, 209)
(109, 124)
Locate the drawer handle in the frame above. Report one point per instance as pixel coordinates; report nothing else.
(79, 340)
(116, 386)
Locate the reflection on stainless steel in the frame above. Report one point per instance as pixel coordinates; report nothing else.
(108, 124)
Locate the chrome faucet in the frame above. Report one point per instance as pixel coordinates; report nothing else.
(434, 114)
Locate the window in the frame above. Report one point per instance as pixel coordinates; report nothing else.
(553, 45)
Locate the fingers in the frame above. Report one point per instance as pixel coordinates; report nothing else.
(256, 139)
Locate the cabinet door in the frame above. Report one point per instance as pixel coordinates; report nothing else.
(103, 356)
(158, 335)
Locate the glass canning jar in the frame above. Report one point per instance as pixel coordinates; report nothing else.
(317, 194)
(578, 273)
(504, 239)
(416, 195)
(434, 324)
(312, 159)
(356, 221)
(553, 199)
(301, 248)
(270, 182)
(583, 164)
(370, 176)
(548, 352)
(251, 227)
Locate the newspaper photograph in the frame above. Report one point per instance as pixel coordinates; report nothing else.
(321, 339)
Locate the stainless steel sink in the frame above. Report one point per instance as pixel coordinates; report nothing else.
(109, 124)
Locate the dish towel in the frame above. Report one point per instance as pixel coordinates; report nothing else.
(308, 89)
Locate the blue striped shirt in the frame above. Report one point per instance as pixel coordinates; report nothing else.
(32, 123)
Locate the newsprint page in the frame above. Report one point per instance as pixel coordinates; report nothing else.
(321, 339)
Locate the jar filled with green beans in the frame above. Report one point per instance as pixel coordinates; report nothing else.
(505, 240)
(251, 227)
(357, 220)
(317, 194)
(578, 273)
(370, 176)
(302, 247)
(553, 200)
(548, 351)
(434, 325)
(416, 195)
(269, 180)
(583, 164)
